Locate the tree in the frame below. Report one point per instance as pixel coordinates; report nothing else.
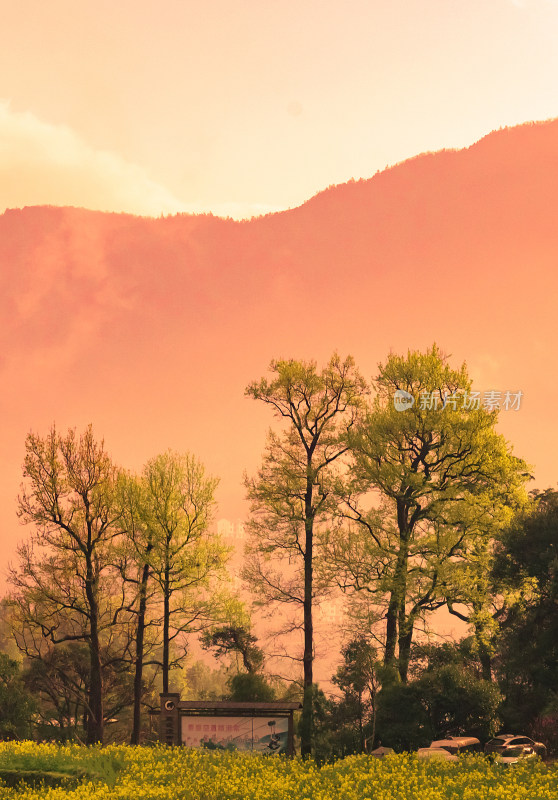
(58, 680)
(16, 704)
(440, 478)
(359, 677)
(181, 557)
(444, 701)
(196, 681)
(60, 589)
(525, 570)
(458, 703)
(295, 489)
(249, 687)
(135, 568)
(235, 639)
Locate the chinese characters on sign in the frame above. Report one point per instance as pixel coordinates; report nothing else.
(258, 734)
(465, 400)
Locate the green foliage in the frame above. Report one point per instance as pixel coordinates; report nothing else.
(169, 511)
(359, 677)
(197, 681)
(250, 687)
(402, 718)
(463, 654)
(526, 565)
(50, 765)
(446, 700)
(443, 477)
(459, 703)
(358, 671)
(16, 705)
(234, 639)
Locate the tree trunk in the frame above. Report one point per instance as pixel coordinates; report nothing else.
(405, 626)
(405, 640)
(360, 722)
(94, 731)
(95, 725)
(391, 629)
(373, 719)
(166, 626)
(484, 654)
(138, 685)
(396, 608)
(486, 663)
(307, 659)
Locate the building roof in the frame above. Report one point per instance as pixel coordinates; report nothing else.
(230, 705)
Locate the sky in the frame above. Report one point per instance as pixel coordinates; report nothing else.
(245, 107)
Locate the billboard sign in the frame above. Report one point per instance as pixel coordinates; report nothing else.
(249, 733)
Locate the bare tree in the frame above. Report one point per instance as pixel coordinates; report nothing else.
(60, 589)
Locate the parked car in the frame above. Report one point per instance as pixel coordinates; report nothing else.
(458, 744)
(436, 752)
(513, 755)
(504, 741)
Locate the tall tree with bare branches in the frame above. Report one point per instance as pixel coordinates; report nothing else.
(59, 589)
(294, 490)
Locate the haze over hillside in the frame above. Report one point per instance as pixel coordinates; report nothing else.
(151, 328)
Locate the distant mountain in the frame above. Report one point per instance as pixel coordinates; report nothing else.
(151, 328)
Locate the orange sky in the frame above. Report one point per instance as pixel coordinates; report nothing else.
(243, 107)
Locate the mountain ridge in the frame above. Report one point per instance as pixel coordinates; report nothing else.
(151, 327)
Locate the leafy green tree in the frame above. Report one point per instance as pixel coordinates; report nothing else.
(444, 701)
(295, 490)
(330, 739)
(61, 588)
(359, 677)
(458, 703)
(436, 478)
(250, 687)
(16, 704)
(58, 680)
(526, 569)
(432, 656)
(402, 719)
(166, 513)
(235, 639)
(135, 568)
(179, 552)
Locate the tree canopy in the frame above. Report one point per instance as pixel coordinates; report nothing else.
(438, 475)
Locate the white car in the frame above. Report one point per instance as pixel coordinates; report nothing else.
(458, 744)
(506, 740)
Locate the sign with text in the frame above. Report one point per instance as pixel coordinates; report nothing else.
(255, 733)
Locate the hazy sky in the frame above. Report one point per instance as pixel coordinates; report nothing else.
(253, 105)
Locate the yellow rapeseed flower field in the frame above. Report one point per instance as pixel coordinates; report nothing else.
(162, 773)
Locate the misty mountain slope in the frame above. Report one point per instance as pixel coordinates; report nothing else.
(151, 328)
